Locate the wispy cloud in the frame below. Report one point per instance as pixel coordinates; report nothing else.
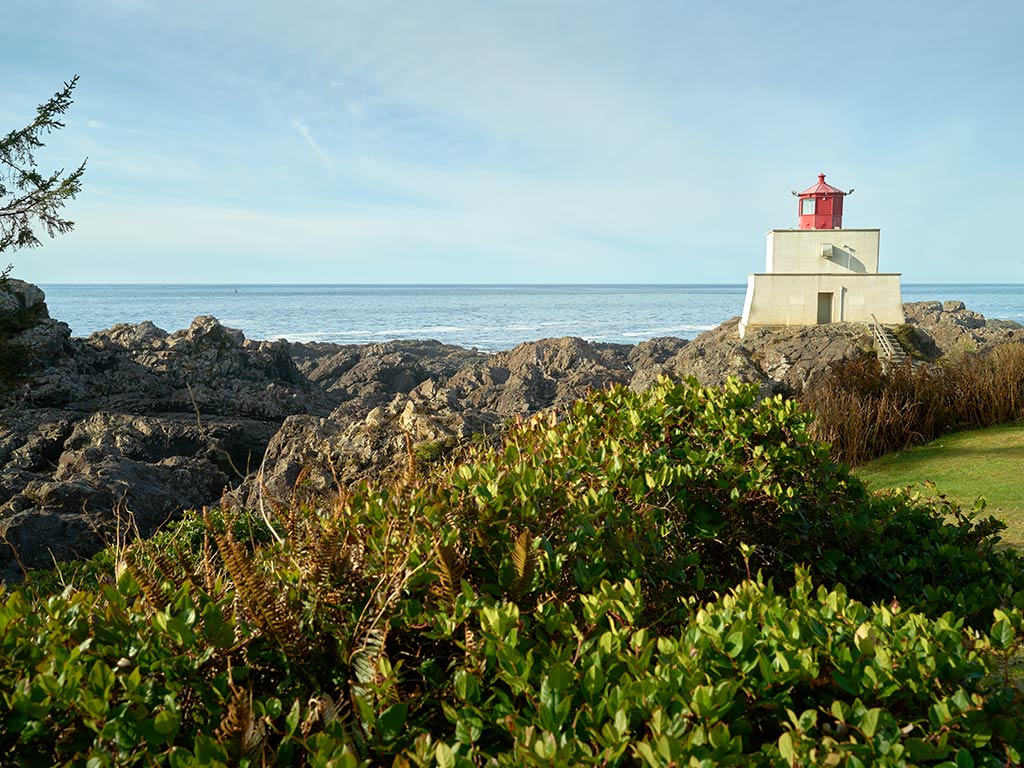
(317, 150)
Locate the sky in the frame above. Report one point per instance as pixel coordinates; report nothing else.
(556, 141)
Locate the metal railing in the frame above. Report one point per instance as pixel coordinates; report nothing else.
(882, 338)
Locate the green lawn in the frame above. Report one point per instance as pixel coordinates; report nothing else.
(964, 466)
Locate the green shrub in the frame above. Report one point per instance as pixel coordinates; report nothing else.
(667, 485)
(541, 603)
(751, 678)
(181, 540)
(432, 451)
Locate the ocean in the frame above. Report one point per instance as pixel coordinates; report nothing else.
(488, 317)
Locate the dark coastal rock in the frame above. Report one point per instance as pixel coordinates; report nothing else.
(131, 425)
(376, 372)
(365, 437)
(944, 328)
(206, 368)
(26, 328)
(18, 296)
(654, 352)
(779, 360)
(710, 358)
(541, 374)
(788, 360)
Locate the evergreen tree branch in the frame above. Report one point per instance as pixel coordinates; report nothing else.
(28, 198)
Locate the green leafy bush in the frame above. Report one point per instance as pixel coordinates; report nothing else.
(665, 486)
(751, 678)
(541, 603)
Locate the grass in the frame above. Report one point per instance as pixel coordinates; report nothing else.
(963, 466)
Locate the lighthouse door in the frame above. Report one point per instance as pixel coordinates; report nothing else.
(824, 308)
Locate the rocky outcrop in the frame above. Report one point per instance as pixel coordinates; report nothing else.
(779, 360)
(82, 479)
(133, 425)
(27, 331)
(374, 373)
(788, 360)
(130, 426)
(365, 436)
(948, 327)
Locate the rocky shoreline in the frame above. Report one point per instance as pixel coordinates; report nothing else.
(134, 424)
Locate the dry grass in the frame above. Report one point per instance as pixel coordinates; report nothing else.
(864, 412)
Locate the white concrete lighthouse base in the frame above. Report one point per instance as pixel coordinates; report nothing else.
(817, 298)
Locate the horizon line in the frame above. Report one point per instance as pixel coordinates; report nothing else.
(469, 285)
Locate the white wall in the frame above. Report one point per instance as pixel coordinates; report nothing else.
(792, 299)
(800, 251)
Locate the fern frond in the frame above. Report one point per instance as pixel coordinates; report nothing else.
(262, 601)
(368, 652)
(206, 561)
(292, 518)
(151, 588)
(339, 501)
(188, 564)
(281, 512)
(355, 545)
(239, 731)
(524, 561)
(449, 568)
(319, 556)
(241, 617)
(175, 572)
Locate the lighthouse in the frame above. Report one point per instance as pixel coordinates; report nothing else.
(821, 273)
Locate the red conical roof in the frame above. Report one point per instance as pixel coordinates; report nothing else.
(821, 188)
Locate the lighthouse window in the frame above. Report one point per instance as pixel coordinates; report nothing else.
(807, 206)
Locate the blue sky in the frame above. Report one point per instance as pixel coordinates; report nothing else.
(539, 142)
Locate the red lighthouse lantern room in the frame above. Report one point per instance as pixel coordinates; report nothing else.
(821, 206)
